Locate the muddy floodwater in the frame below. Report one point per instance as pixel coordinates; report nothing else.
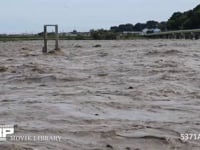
(102, 95)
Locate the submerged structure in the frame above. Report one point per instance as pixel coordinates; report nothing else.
(179, 34)
(56, 37)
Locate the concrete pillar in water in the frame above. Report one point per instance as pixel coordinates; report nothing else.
(182, 35)
(57, 38)
(45, 36)
(197, 36)
(174, 36)
(45, 40)
(192, 35)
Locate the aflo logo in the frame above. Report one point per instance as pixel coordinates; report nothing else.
(5, 130)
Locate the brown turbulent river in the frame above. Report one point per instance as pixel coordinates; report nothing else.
(102, 95)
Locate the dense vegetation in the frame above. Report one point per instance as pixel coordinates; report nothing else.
(139, 26)
(103, 35)
(178, 21)
(186, 20)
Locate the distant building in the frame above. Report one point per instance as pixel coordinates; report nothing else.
(156, 30)
(146, 31)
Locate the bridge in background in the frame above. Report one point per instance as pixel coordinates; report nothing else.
(178, 34)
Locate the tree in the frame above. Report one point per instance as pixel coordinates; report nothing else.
(186, 20)
(152, 24)
(174, 23)
(139, 26)
(162, 26)
(103, 35)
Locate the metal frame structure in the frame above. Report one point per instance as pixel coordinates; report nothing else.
(45, 34)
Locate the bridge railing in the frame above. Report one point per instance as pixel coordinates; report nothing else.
(186, 34)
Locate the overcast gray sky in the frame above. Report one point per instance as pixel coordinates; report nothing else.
(19, 16)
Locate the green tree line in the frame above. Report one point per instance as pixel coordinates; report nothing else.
(178, 21)
(139, 26)
(185, 20)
